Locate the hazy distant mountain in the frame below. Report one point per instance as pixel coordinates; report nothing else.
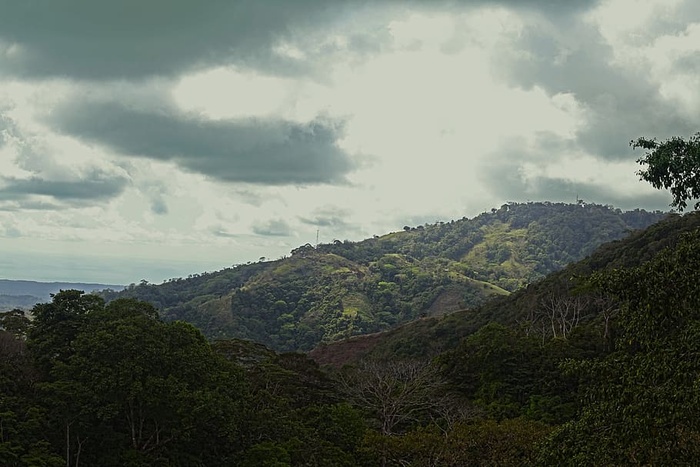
(25, 294)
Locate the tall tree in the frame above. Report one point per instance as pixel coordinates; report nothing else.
(15, 322)
(673, 164)
(57, 324)
(149, 390)
(395, 392)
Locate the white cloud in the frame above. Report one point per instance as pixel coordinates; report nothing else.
(224, 93)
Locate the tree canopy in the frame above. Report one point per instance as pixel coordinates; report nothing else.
(673, 164)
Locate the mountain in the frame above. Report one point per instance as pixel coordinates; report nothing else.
(342, 289)
(25, 294)
(540, 376)
(431, 336)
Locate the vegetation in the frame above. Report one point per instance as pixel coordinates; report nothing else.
(334, 291)
(93, 384)
(672, 164)
(525, 310)
(87, 384)
(114, 385)
(596, 364)
(640, 402)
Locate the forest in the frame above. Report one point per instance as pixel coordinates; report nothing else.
(596, 363)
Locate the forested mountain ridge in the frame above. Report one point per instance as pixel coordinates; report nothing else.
(337, 290)
(501, 394)
(433, 335)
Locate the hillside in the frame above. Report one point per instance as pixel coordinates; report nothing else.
(432, 335)
(338, 290)
(500, 387)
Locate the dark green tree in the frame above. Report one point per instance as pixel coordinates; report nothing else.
(139, 391)
(15, 322)
(57, 324)
(673, 164)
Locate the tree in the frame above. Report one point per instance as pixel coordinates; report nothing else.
(15, 322)
(121, 387)
(58, 323)
(158, 386)
(396, 392)
(641, 404)
(673, 164)
(563, 313)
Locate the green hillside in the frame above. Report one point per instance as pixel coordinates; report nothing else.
(342, 289)
(610, 378)
(432, 335)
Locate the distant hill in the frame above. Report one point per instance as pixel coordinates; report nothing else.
(342, 289)
(435, 335)
(25, 294)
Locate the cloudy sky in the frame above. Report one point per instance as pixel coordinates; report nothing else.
(149, 140)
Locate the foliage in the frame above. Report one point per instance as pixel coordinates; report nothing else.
(641, 401)
(292, 410)
(94, 384)
(481, 442)
(14, 322)
(509, 374)
(430, 336)
(115, 386)
(672, 164)
(396, 393)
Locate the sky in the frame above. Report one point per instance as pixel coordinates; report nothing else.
(152, 140)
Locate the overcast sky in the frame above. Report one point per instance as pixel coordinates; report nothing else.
(155, 139)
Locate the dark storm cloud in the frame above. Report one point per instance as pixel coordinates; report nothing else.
(133, 39)
(155, 191)
(251, 197)
(158, 206)
(620, 104)
(272, 228)
(271, 152)
(553, 8)
(25, 204)
(96, 186)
